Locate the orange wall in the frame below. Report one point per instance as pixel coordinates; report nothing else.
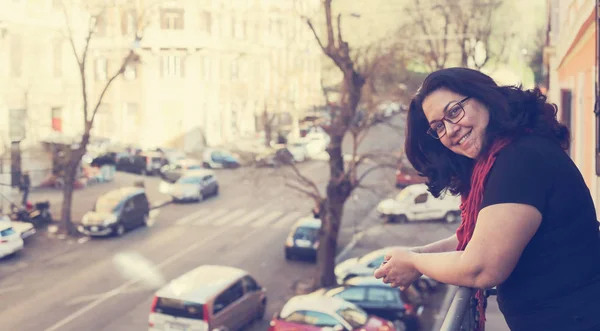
(581, 58)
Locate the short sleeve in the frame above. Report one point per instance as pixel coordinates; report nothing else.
(521, 174)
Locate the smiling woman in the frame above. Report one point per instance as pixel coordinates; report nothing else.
(528, 226)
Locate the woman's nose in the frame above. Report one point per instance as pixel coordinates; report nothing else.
(451, 129)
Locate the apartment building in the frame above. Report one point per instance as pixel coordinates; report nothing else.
(39, 86)
(572, 61)
(208, 70)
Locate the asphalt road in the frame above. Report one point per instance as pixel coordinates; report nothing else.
(108, 284)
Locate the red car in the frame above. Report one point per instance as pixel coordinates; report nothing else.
(315, 313)
(406, 175)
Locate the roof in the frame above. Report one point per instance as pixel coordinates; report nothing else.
(202, 283)
(309, 222)
(366, 281)
(313, 302)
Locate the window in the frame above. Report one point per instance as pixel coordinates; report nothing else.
(205, 22)
(56, 119)
(171, 66)
(320, 319)
(381, 294)
(101, 69)
(205, 68)
(179, 308)
(57, 57)
(234, 70)
(421, 198)
(16, 56)
(232, 294)
(250, 284)
(355, 294)
(376, 262)
(17, 119)
(171, 19)
(100, 25)
(128, 22)
(238, 28)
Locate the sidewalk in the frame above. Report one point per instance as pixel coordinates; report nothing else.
(84, 199)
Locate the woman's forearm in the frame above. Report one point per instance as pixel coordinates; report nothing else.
(445, 245)
(452, 268)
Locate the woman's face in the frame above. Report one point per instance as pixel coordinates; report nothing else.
(467, 136)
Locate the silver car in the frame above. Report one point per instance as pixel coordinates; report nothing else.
(194, 185)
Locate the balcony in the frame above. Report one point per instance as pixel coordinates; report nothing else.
(461, 310)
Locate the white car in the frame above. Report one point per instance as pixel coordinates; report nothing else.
(24, 229)
(10, 240)
(365, 266)
(299, 150)
(415, 203)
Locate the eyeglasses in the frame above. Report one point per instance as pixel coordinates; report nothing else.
(437, 129)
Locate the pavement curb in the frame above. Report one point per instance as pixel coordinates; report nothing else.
(160, 204)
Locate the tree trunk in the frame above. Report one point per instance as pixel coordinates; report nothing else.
(69, 180)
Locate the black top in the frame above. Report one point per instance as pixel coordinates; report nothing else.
(556, 283)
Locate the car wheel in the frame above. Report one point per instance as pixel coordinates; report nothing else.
(206, 165)
(143, 172)
(119, 230)
(451, 217)
(217, 190)
(401, 219)
(261, 311)
(288, 255)
(200, 197)
(348, 277)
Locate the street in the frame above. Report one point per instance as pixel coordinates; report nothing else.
(108, 283)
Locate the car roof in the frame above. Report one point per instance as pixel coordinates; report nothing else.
(308, 222)
(312, 302)
(122, 193)
(202, 283)
(365, 281)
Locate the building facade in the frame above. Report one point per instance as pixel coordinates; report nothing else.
(208, 70)
(572, 61)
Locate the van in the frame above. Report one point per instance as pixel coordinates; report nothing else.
(415, 203)
(209, 297)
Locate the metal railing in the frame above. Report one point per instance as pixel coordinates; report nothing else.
(461, 309)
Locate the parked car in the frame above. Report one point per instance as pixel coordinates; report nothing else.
(274, 158)
(377, 298)
(117, 211)
(209, 297)
(314, 313)
(407, 175)
(219, 158)
(171, 172)
(415, 203)
(303, 239)
(365, 266)
(145, 163)
(10, 241)
(24, 229)
(194, 185)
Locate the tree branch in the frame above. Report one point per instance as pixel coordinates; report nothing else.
(302, 190)
(310, 25)
(373, 168)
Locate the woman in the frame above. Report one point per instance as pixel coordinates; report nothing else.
(529, 225)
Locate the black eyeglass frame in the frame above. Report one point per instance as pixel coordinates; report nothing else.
(459, 104)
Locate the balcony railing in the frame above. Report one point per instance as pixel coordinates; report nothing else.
(461, 310)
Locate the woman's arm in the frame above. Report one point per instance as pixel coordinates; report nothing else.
(445, 245)
(502, 233)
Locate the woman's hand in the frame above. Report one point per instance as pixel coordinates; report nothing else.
(398, 269)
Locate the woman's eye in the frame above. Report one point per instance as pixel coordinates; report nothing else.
(453, 112)
(438, 126)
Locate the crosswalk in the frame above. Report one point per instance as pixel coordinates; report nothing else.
(256, 218)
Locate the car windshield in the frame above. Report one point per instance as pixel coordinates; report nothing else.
(189, 180)
(108, 203)
(306, 233)
(404, 195)
(179, 308)
(355, 316)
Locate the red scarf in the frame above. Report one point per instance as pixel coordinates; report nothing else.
(470, 209)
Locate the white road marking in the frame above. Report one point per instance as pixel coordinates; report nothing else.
(248, 217)
(268, 218)
(287, 219)
(123, 287)
(229, 217)
(11, 288)
(188, 218)
(206, 219)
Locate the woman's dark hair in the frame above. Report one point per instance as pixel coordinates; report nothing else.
(513, 112)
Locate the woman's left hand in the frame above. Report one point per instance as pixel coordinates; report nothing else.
(398, 270)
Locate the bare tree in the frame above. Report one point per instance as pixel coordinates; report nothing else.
(348, 118)
(80, 47)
